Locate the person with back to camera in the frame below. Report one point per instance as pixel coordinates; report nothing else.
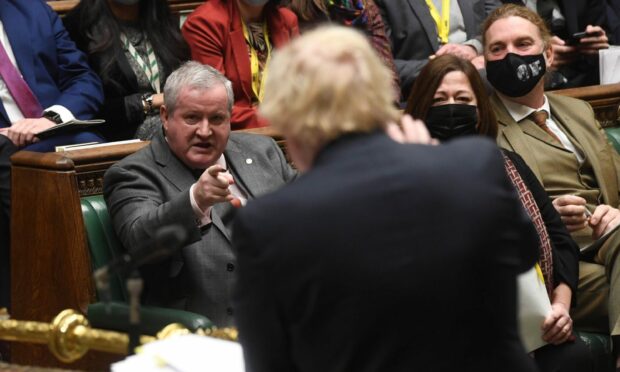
(449, 96)
(354, 266)
(133, 45)
(238, 37)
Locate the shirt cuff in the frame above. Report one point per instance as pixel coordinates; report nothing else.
(476, 44)
(65, 114)
(202, 217)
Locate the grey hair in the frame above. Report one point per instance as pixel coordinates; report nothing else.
(194, 75)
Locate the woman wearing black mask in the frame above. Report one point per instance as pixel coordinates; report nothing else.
(133, 45)
(449, 96)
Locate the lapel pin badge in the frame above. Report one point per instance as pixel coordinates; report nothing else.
(248, 161)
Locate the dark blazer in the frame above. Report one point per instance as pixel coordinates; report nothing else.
(122, 109)
(577, 13)
(215, 36)
(413, 32)
(55, 70)
(150, 189)
(385, 257)
(565, 250)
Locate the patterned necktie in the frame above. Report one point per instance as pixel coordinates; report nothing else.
(22, 95)
(529, 204)
(540, 118)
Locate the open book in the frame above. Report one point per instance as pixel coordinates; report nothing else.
(69, 126)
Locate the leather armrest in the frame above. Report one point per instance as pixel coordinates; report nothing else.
(115, 316)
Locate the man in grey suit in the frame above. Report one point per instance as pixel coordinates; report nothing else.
(194, 174)
(415, 35)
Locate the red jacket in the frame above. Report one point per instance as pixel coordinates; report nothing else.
(215, 36)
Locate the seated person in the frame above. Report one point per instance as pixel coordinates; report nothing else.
(237, 37)
(354, 266)
(414, 30)
(450, 98)
(562, 143)
(45, 80)
(575, 61)
(191, 174)
(361, 14)
(133, 46)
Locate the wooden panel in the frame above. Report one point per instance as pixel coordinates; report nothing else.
(51, 269)
(604, 99)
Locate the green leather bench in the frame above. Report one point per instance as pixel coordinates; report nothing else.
(105, 246)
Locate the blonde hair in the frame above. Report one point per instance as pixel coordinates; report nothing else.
(327, 83)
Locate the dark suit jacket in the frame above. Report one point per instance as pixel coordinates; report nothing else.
(565, 250)
(413, 32)
(215, 36)
(577, 13)
(55, 70)
(150, 189)
(385, 257)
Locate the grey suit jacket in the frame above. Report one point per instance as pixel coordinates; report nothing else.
(150, 189)
(413, 33)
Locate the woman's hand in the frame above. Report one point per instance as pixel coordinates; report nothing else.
(410, 131)
(558, 325)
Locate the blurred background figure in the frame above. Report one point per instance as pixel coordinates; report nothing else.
(237, 37)
(361, 14)
(419, 30)
(575, 58)
(357, 255)
(450, 98)
(133, 45)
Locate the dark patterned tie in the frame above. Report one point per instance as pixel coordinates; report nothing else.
(540, 118)
(22, 95)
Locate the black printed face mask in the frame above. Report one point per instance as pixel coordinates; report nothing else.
(516, 75)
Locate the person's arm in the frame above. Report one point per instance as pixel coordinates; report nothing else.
(80, 88)
(407, 69)
(565, 250)
(137, 207)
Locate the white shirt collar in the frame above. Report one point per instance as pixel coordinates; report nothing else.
(519, 112)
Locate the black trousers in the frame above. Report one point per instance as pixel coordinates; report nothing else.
(6, 150)
(567, 357)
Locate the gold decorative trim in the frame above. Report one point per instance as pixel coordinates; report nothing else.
(70, 336)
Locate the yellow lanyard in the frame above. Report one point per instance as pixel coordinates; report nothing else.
(539, 272)
(443, 22)
(257, 78)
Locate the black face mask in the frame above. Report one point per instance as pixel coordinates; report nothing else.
(515, 75)
(447, 121)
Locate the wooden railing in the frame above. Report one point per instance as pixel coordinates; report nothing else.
(604, 99)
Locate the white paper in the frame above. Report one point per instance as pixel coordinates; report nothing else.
(187, 353)
(609, 61)
(533, 306)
